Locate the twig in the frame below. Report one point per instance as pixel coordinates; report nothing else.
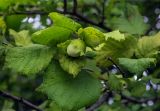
(20, 100)
(110, 59)
(100, 101)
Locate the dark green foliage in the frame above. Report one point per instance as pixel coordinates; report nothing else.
(60, 63)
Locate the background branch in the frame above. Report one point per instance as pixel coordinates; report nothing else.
(139, 101)
(129, 99)
(110, 59)
(20, 100)
(77, 15)
(74, 6)
(73, 13)
(100, 101)
(103, 12)
(65, 6)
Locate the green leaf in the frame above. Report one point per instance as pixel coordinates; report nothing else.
(132, 23)
(51, 36)
(4, 4)
(115, 49)
(16, 25)
(62, 21)
(148, 46)
(114, 82)
(71, 65)
(21, 38)
(28, 60)
(115, 35)
(62, 47)
(90, 54)
(137, 66)
(91, 36)
(8, 106)
(68, 92)
(91, 66)
(152, 78)
(2, 25)
(49, 106)
(53, 107)
(2, 56)
(89, 2)
(137, 88)
(2, 49)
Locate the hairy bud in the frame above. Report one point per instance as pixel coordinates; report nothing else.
(91, 36)
(76, 48)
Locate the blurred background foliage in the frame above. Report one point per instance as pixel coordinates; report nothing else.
(133, 16)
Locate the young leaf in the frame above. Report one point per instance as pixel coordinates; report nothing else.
(62, 21)
(28, 60)
(115, 49)
(71, 65)
(70, 93)
(114, 34)
(148, 46)
(52, 35)
(21, 38)
(137, 66)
